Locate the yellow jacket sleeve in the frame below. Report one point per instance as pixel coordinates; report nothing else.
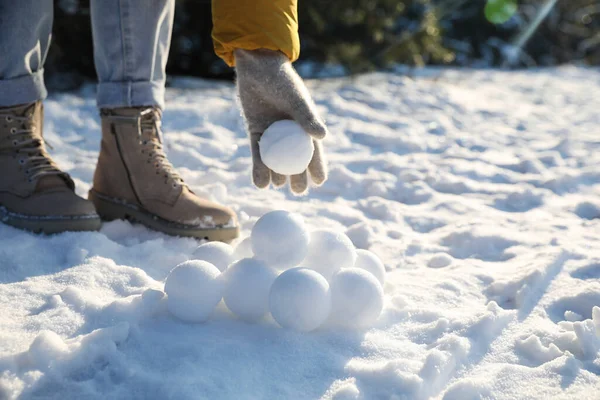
(255, 24)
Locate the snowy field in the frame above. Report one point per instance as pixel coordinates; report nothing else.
(480, 191)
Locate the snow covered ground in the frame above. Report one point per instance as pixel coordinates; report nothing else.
(480, 190)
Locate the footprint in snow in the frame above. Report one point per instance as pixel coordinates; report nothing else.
(591, 271)
(588, 210)
(468, 244)
(519, 201)
(440, 260)
(577, 307)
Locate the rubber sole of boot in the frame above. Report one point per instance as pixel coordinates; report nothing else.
(50, 224)
(111, 209)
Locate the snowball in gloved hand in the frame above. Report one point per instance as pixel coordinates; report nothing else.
(286, 148)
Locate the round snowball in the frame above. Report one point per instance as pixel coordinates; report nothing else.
(194, 289)
(286, 148)
(300, 299)
(329, 251)
(247, 285)
(243, 249)
(280, 239)
(218, 254)
(356, 298)
(371, 263)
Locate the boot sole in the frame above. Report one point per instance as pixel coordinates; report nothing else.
(111, 209)
(51, 224)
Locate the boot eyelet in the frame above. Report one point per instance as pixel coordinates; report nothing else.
(8, 119)
(14, 142)
(13, 130)
(21, 161)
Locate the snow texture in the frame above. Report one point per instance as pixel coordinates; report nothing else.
(286, 148)
(477, 189)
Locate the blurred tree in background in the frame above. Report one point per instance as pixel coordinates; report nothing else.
(366, 34)
(362, 35)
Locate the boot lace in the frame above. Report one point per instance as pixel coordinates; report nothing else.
(35, 161)
(149, 127)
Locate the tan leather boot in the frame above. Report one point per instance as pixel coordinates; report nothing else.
(135, 181)
(34, 193)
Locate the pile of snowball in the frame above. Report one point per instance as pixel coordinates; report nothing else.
(304, 279)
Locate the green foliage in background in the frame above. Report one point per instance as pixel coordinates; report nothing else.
(500, 11)
(569, 34)
(363, 35)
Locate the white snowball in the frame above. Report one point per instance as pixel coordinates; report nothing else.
(194, 288)
(356, 297)
(243, 249)
(329, 251)
(247, 285)
(218, 254)
(286, 148)
(370, 262)
(300, 299)
(280, 239)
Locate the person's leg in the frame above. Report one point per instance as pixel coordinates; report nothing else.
(133, 177)
(131, 46)
(34, 193)
(25, 32)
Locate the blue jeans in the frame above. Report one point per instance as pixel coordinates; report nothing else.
(131, 46)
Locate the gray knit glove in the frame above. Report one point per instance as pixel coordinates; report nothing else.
(270, 90)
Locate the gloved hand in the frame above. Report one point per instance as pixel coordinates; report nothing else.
(270, 90)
